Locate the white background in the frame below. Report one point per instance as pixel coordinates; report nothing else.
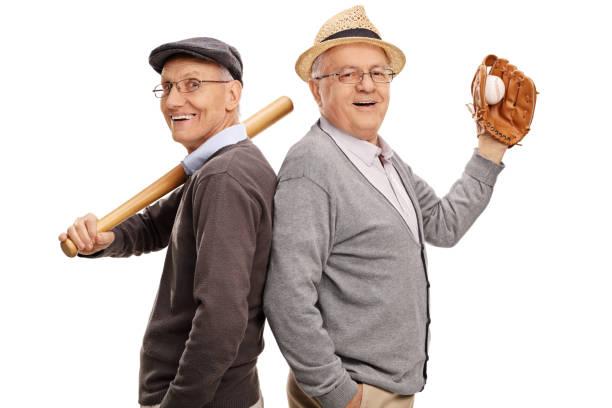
(521, 306)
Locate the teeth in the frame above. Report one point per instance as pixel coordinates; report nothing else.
(181, 117)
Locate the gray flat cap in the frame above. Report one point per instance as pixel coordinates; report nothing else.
(206, 48)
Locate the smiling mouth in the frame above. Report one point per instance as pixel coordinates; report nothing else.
(179, 118)
(364, 103)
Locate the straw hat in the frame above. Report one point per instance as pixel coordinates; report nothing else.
(349, 26)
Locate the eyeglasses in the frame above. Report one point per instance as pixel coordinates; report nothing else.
(354, 76)
(183, 86)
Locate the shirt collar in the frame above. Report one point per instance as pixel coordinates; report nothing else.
(226, 137)
(364, 150)
(386, 151)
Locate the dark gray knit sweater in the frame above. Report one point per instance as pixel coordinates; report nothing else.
(205, 331)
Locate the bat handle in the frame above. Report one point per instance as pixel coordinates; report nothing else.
(69, 248)
(154, 192)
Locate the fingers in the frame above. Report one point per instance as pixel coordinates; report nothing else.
(526, 101)
(521, 99)
(489, 60)
(91, 225)
(513, 88)
(478, 86)
(82, 232)
(74, 237)
(510, 69)
(506, 75)
(499, 66)
(500, 69)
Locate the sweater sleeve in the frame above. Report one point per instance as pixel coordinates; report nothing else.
(226, 220)
(446, 219)
(302, 236)
(146, 231)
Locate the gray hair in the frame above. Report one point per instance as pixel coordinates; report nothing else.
(317, 66)
(226, 76)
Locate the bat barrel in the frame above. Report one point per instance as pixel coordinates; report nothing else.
(268, 116)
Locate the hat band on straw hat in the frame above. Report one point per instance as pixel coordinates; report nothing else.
(353, 32)
(347, 27)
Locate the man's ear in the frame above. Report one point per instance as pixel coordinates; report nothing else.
(313, 84)
(232, 96)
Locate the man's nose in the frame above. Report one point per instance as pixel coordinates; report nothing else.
(366, 84)
(174, 97)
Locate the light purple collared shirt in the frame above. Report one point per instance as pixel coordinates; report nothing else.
(367, 158)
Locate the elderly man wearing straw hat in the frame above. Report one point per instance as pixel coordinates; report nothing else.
(347, 291)
(205, 332)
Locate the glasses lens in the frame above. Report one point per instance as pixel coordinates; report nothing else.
(188, 85)
(160, 91)
(353, 76)
(349, 76)
(382, 76)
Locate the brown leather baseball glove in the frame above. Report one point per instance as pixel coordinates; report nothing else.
(507, 121)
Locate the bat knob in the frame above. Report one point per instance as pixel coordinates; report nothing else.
(69, 248)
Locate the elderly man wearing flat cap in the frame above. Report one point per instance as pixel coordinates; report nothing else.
(205, 331)
(347, 288)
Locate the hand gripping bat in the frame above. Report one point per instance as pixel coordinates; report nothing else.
(177, 176)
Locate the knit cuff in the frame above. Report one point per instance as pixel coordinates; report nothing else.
(483, 169)
(340, 396)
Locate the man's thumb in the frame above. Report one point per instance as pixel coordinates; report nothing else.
(105, 238)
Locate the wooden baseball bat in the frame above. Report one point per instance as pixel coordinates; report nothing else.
(175, 177)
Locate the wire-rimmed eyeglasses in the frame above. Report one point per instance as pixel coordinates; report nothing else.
(354, 76)
(183, 86)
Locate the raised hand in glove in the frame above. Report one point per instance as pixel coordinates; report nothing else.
(507, 121)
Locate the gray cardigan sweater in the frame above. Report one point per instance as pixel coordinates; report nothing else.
(347, 290)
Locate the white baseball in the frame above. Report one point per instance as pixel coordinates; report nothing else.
(494, 89)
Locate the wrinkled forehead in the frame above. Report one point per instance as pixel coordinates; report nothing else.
(183, 66)
(358, 55)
